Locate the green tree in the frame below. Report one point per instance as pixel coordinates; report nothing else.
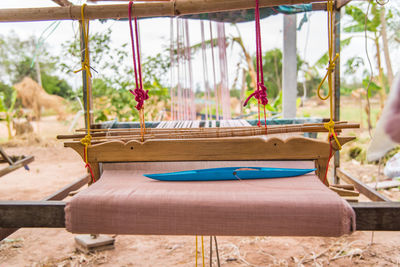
(6, 91)
(8, 110)
(113, 78)
(371, 23)
(16, 58)
(56, 86)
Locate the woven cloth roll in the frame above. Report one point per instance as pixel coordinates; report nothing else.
(123, 201)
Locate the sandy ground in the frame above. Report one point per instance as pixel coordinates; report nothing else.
(55, 166)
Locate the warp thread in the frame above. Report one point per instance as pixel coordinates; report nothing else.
(261, 91)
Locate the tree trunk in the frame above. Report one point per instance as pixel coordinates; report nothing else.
(8, 120)
(386, 46)
(243, 91)
(382, 92)
(249, 62)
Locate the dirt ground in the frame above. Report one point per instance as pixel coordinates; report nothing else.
(55, 166)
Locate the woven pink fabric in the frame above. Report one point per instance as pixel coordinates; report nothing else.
(123, 201)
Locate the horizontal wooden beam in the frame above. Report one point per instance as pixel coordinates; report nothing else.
(377, 216)
(370, 216)
(361, 187)
(235, 148)
(59, 195)
(17, 214)
(144, 9)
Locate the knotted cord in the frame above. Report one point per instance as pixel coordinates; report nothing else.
(330, 126)
(140, 94)
(261, 91)
(87, 140)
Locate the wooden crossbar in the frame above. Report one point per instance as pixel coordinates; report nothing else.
(142, 9)
(370, 216)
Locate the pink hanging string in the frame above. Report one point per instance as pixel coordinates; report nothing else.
(172, 61)
(191, 107)
(204, 60)
(214, 74)
(140, 94)
(179, 102)
(261, 91)
(224, 84)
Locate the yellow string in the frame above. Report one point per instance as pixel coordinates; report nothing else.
(330, 126)
(196, 250)
(202, 249)
(86, 141)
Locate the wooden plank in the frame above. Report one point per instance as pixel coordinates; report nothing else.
(344, 192)
(16, 165)
(238, 148)
(361, 187)
(350, 198)
(343, 186)
(5, 156)
(17, 214)
(144, 9)
(63, 192)
(370, 216)
(377, 216)
(59, 195)
(319, 6)
(384, 184)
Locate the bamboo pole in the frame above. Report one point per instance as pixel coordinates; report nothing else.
(336, 88)
(338, 125)
(204, 128)
(208, 132)
(224, 134)
(142, 9)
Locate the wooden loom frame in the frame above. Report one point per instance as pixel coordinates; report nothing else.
(13, 164)
(381, 215)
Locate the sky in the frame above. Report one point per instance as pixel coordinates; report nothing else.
(155, 36)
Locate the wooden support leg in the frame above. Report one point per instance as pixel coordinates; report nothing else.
(96, 171)
(321, 166)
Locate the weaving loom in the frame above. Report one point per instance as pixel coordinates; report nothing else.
(120, 200)
(156, 207)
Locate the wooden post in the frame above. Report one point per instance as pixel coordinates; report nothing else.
(86, 87)
(336, 89)
(289, 67)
